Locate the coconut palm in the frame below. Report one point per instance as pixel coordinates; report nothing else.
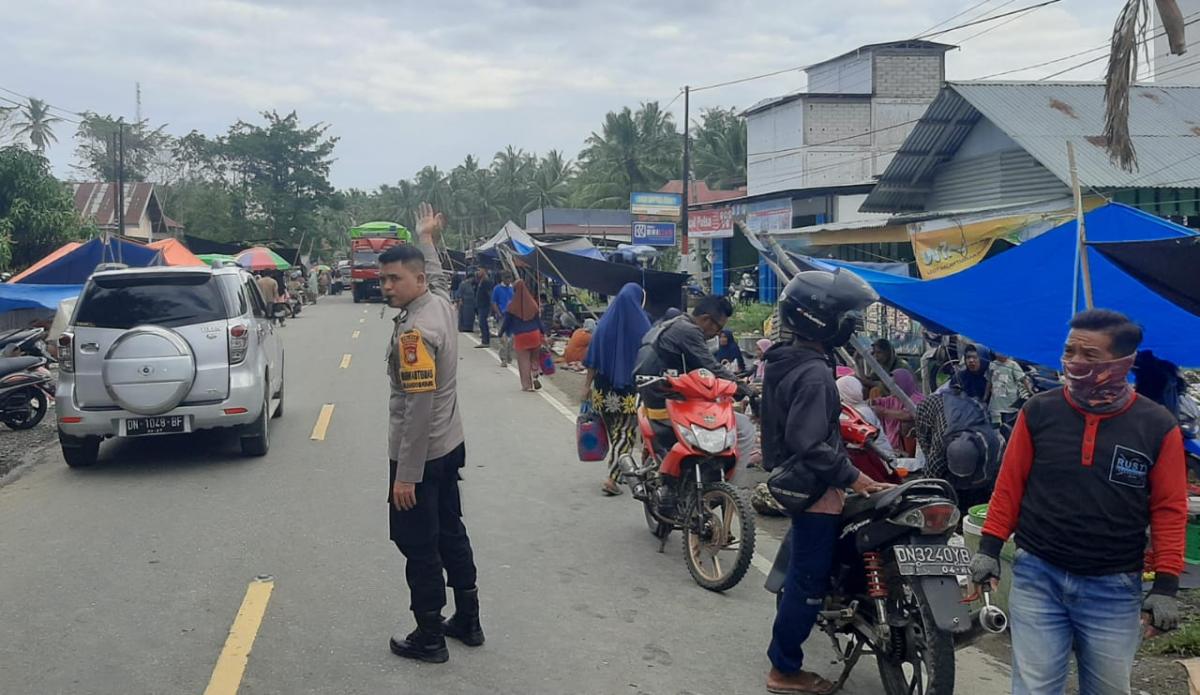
(36, 123)
(551, 184)
(634, 151)
(512, 176)
(719, 149)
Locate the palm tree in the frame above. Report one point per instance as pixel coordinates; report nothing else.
(632, 152)
(37, 124)
(433, 187)
(474, 212)
(512, 176)
(551, 184)
(720, 149)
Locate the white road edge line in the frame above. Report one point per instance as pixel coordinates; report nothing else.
(760, 562)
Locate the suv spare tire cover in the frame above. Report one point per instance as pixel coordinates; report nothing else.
(149, 370)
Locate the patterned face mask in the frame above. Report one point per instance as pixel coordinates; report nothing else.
(1099, 386)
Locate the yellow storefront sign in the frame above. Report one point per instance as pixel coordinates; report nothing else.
(947, 245)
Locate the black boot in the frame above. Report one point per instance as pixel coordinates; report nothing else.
(426, 643)
(668, 495)
(464, 624)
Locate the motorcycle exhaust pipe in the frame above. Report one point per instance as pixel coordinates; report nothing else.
(992, 618)
(631, 475)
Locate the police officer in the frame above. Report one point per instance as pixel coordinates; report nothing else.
(425, 446)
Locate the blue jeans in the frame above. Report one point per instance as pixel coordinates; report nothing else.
(813, 537)
(1053, 611)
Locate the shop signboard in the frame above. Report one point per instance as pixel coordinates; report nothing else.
(710, 224)
(654, 233)
(656, 204)
(769, 215)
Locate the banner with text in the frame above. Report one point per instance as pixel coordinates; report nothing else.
(656, 204)
(710, 224)
(654, 233)
(769, 215)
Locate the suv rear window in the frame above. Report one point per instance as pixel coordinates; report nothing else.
(131, 300)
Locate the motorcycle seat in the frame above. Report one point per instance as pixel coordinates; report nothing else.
(11, 365)
(857, 505)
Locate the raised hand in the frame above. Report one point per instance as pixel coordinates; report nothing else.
(430, 224)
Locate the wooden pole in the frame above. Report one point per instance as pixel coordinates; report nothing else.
(1084, 266)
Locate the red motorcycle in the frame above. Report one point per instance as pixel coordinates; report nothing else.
(716, 520)
(860, 438)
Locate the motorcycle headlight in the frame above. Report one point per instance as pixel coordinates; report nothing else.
(711, 441)
(687, 436)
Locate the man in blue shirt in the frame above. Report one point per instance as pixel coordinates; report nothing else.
(502, 294)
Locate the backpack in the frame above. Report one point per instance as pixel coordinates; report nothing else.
(968, 424)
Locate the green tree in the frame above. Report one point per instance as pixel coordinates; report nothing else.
(144, 148)
(719, 149)
(36, 212)
(207, 209)
(551, 185)
(511, 183)
(634, 151)
(35, 123)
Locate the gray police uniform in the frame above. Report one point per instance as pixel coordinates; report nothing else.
(425, 444)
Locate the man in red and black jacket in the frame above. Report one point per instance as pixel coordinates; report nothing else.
(1087, 470)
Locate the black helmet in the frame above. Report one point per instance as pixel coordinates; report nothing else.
(816, 303)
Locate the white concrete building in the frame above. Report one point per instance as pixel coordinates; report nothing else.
(845, 127)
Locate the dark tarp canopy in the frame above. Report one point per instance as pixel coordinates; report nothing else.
(1170, 267)
(663, 290)
(198, 245)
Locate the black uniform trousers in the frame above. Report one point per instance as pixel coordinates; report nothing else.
(431, 535)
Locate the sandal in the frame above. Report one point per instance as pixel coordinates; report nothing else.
(611, 489)
(799, 683)
(537, 384)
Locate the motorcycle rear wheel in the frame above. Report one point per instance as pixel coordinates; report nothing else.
(24, 409)
(718, 536)
(926, 666)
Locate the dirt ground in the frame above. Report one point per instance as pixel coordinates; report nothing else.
(20, 448)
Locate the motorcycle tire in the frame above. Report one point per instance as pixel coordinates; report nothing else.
(928, 655)
(27, 415)
(703, 530)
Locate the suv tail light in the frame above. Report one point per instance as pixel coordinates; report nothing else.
(66, 352)
(931, 519)
(239, 342)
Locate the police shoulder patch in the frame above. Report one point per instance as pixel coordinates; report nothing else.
(416, 366)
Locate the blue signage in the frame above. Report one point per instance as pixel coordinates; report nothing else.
(655, 204)
(654, 233)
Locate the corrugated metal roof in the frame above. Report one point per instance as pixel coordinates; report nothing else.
(771, 103)
(907, 43)
(97, 201)
(1163, 121)
(1041, 117)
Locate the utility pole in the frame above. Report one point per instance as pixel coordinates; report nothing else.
(687, 169)
(138, 110)
(120, 198)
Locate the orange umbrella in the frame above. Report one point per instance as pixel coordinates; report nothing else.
(175, 253)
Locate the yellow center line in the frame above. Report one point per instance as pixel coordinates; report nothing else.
(231, 664)
(346, 361)
(362, 320)
(318, 433)
(354, 335)
(364, 311)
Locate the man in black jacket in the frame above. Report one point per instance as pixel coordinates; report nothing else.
(681, 345)
(803, 447)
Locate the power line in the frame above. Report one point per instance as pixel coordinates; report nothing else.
(1192, 19)
(991, 18)
(956, 16)
(994, 27)
(16, 103)
(48, 104)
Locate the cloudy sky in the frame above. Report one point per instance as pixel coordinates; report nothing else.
(405, 84)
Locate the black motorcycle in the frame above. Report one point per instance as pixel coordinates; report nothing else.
(894, 590)
(26, 390)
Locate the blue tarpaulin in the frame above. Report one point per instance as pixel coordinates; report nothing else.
(75, 267)
(1019, 302)
(35, 296)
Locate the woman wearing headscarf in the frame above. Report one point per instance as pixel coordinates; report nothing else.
(853, 393)
(898, 420)
(729, 352)
(760, 368)
(610, 360)
(522, 321)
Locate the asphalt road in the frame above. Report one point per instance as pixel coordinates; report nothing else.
(128, 577)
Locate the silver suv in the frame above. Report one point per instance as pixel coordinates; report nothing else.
(152, 351)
